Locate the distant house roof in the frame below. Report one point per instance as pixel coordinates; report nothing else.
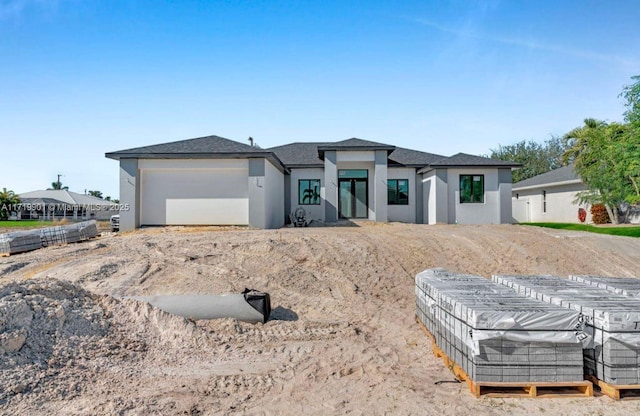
(563, 175)
(466, 160)
(60, 196)
(209, 147)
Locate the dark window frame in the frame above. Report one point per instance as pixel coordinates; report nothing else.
(544, 202)
(471, 189)
(312, 201)
(397, 200)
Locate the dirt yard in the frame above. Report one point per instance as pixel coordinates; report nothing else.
(342, 338)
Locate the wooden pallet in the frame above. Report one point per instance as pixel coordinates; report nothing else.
(617, 391)
(511, 389)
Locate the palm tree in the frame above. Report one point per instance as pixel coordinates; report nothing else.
(7, 199)
(58, 186)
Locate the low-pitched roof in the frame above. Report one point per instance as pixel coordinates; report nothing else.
(306, 154)
(208, 147)
(299, 154)
(467, 160)
(61, 196)
(565, 174)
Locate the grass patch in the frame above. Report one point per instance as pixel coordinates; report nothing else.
(25, 224)
(625, 231)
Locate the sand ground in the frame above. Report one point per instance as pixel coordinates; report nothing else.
(342, 338)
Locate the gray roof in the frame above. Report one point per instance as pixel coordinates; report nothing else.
(299, 154)
(466, 160)
(412, 158)
(563, 174)
(357, 144)
(306, 154)
(61, 196)
(199, 148)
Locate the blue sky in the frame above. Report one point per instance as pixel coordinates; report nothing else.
(79, 78)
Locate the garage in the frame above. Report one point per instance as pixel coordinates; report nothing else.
(194, 192)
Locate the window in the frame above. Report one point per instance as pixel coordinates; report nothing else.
(544, 201)
(309, 192)
(517, 196)
(471, 189)
(398, 192)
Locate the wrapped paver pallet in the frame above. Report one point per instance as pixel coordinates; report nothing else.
(628, 286)
(611, 319)
(496, 335)
(19, 241)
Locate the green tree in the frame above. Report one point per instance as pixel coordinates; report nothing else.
(7, 198)
(534, 157)
(597, 151)
(97, 194)
(58, 185)
(631, 95)
(631, 144)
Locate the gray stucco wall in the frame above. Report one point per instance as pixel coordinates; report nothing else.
(330, 187)
(380, 186)
(442, 197)
(266, 195)
(504, 189)
(129, 194)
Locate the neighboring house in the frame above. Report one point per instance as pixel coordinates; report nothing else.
(551, 197)
(216, 181)
(60, 203)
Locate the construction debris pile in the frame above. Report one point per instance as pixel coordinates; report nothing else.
(496, 335)
(611, 319)
(21, 241)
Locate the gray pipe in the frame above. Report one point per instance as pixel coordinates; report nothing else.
(251, 306)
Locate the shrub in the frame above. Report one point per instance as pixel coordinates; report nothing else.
(599, 214)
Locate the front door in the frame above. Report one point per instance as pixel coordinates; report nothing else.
(353, 198)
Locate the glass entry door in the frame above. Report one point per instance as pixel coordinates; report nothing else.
(353, 198)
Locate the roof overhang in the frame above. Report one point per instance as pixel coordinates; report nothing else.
(270, 156)
(322, 149)
(546, 185)
(473, 166)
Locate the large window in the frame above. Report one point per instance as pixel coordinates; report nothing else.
(398, 192)
(471, 189)
(309, 192)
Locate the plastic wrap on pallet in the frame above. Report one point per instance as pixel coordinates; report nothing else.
(20, 241)
(627, 286)
(496, 335)
(52, 236)
(80, 231)
(612, 319)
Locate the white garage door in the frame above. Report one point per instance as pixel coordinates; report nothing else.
(176, 193)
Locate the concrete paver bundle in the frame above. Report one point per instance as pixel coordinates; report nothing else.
(19, 241)
(612, 320)
(28, 240)
(496, 335)
(628, 286)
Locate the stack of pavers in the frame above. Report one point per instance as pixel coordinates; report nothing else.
(52, 236)
(496, 335)
(612, 320)
(19, 241)
(628, 286)
(80, 231)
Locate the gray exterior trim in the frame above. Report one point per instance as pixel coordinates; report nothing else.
(380, 186)
(420, 214)
(330, 186)
(129, 194)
